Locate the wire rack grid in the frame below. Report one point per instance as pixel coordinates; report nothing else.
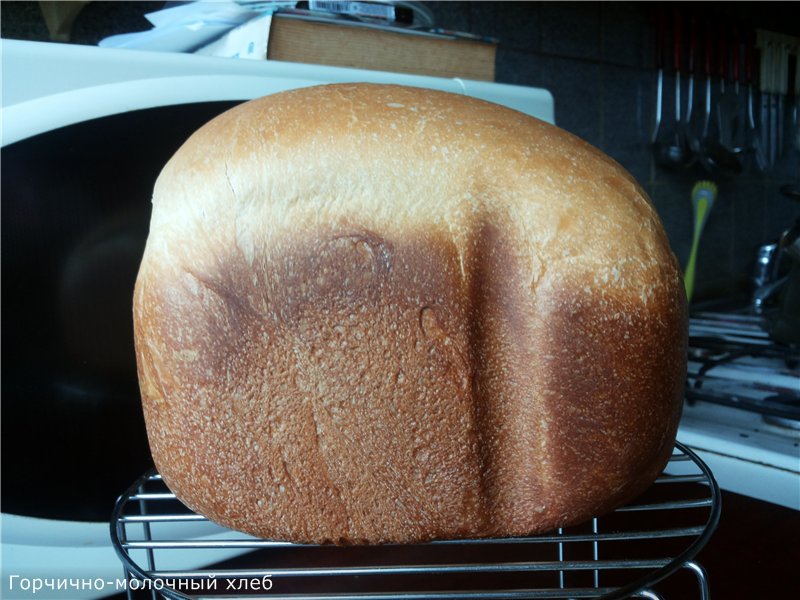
(177, 554)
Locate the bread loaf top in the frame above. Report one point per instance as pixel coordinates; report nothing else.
(403, 159)
(378, 313)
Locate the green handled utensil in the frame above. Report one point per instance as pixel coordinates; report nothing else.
(703, 195)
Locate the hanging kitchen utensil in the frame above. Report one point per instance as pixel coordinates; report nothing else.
(775, 50)
(703, 195)
(774, 57)
(695, 125)
(764, 81)
(715, 156)
(781, 88)
(697, 143)
(796, 107)
(674, 152)
(754, 137)
(727, 103)
(691, 68)
(722, 158)
(738, 118)
(660, 80)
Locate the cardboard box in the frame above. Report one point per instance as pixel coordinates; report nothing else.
(342, 44)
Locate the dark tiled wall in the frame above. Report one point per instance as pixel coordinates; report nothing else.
(597, 58)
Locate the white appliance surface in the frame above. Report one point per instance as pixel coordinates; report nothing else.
(746, 455)
(46, 86)
(740, 371)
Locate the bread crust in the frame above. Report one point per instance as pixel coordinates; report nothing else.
(371, 314)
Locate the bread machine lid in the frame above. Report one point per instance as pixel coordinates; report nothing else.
(46, 86)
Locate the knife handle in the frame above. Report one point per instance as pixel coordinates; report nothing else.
(708, 50)
(660, 37)
(722, 52)
(677, 36)
(692, 43)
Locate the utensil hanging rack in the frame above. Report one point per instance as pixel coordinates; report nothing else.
(739, 128)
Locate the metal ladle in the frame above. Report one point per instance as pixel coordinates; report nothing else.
(720, 158)
(754, 143)
(677, 152)
(713, 155)
(660, 84)
(697, 144)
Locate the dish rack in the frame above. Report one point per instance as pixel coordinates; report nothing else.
(166, 549)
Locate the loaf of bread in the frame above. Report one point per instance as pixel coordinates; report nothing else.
(371, 314)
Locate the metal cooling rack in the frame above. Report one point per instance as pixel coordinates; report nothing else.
(175, 553)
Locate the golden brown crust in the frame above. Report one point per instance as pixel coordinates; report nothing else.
(374, 313)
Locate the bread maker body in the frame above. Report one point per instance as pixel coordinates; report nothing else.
(85, 132)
